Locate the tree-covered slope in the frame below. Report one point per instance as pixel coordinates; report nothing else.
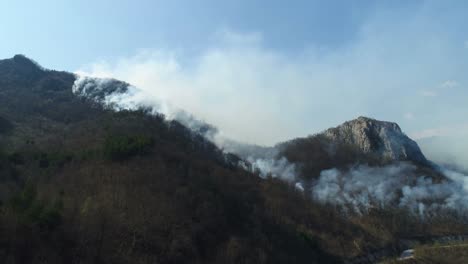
(80, 183)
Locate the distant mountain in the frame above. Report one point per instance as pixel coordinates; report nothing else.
(360, 141)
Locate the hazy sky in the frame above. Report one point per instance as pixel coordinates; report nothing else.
(264, 71)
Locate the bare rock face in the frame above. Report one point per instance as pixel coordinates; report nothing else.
(384, 139)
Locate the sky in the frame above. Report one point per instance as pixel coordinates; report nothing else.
(264, 71)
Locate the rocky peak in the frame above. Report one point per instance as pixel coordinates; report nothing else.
(25, 61)
(381, 138)
(21, 69)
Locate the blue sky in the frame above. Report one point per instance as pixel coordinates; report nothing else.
(87, 30)
(264, 71)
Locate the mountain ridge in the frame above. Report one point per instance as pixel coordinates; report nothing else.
(82, 183)
(380, 139)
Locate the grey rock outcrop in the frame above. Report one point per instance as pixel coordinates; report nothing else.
(380, 138)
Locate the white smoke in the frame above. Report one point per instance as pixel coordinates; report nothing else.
(358, 189)
(122, 96)
(261, 95)
(281, 168)
(363, 188)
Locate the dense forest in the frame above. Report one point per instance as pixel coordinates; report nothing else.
(81, 183)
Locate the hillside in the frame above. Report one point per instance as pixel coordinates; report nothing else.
(360, 141)
(83, 183)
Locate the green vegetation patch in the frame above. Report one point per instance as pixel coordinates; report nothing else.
(122, 147)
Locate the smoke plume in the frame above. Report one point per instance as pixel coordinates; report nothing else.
(449, 148)
(358, 189)
(122, 96)
(398, 185)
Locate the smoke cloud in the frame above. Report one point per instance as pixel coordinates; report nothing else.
(256, 94)
(363, 188)
(275, 167)
(358, 189)
(260, 95)
(122, 96)
(447, 146)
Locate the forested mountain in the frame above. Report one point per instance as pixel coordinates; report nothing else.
(82, 183)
